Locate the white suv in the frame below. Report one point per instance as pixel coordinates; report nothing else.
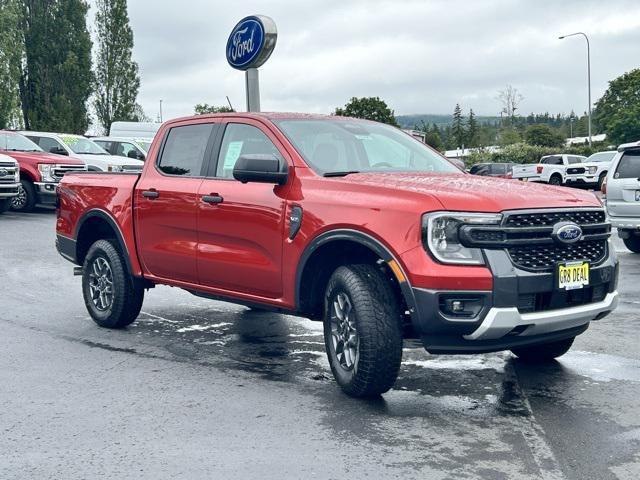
(77, 146)
(623, 194)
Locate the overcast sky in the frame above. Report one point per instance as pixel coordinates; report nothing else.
(419, 56)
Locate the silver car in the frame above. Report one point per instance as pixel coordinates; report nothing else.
(623, 194)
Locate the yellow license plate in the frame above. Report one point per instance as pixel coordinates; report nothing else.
(572, 276)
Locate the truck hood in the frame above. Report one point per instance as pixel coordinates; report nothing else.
(43, 157)
(464, 192)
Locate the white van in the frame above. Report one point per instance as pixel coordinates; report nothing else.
(145, 130)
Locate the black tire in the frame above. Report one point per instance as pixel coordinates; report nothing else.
(601, 179)
(375, 314)
(545, 352)
(632, 243)
(25, 201)
(5, 203)
(119, 307)
(555, 180)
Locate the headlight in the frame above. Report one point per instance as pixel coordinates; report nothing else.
(440, 235)
(592, 170)
(114, 168)
(46, 172)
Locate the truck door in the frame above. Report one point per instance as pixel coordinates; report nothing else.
(166, 200)
(241, 225)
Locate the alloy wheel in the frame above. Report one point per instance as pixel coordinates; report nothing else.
(344, 335)
(19, 201)
(101, 284)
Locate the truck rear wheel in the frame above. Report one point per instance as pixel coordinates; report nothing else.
(632, 242)
(362, 330)
(545, 352)
(111, 296)
(25, 201)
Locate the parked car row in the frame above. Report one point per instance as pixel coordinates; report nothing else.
(33, 163)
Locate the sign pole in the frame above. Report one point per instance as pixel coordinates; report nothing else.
(252, 83)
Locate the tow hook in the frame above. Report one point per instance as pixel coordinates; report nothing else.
(77, 271)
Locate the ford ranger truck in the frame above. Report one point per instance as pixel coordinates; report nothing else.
(348, 222)
(40, 172)
(9, 181)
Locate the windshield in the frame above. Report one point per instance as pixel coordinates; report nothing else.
(144, 145)
(601, 157)
(83, 146)
(14, 142)
(340, 146)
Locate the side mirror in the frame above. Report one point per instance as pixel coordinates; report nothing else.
(135, 155)
(58, 151)
(260, 168)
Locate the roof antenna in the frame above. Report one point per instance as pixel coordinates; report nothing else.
(229, 102)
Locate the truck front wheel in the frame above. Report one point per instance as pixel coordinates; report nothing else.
(555, 180)
(362, 330)
(25, 201)
(111, 296)
(545, 352)
(632, 242)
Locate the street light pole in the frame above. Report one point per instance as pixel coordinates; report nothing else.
(588, 72)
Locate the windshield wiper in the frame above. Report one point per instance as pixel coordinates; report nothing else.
(340, 174)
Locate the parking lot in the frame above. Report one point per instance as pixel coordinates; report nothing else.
(202, 389)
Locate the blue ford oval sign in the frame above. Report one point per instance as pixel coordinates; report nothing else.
(567, 232)
(251, 42)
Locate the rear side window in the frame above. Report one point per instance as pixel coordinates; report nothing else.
(105, 145)
(47, 144)
(498, 169)
(478, 170)
(555, 160)
(629, 165)
(184, 149)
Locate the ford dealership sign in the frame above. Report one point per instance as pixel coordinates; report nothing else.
(251, 42)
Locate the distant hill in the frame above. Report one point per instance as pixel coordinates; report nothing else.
(409, 121)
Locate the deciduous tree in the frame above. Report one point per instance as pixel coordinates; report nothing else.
(11, 53)
(117, 79)
(370, 108)
(618, 111)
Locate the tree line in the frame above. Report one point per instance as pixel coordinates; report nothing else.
(52, 76)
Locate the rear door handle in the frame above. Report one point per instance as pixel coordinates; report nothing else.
(150, 194)
(215, 199)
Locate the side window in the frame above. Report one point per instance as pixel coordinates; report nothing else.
(105, 145)
(629, 165)
(240, 139)
(573, 160)
(498, 169)
(183, 152)
(124, 148)
(47, 143)
(552, 160)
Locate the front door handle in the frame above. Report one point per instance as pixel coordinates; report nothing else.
(150, 194)
(215, 199)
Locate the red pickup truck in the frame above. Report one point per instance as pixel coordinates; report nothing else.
(349, 222)
(40, 172)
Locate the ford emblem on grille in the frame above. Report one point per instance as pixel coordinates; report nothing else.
(566, 232)
(4, 172)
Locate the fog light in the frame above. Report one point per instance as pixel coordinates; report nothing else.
(457, 306)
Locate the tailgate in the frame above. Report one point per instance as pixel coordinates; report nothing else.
(525, 171)
(623, 199)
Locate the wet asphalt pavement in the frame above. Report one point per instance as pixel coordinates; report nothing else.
(201, 389)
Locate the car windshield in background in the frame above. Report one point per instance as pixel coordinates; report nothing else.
(15, 142)
(341, 146)
(629, 166)
(83, 146)
(601, 157)
(144, 145)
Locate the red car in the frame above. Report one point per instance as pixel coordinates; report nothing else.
(40, 172)
(348, 222)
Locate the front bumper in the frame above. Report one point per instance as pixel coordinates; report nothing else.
(505, 317)
(625, 223)
(582, 179)
(8, 190)
(46, 192)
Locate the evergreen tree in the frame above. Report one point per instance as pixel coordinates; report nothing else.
(56, 80)
(117, 79)
(11, 52)
(472, 130)
(457, 127)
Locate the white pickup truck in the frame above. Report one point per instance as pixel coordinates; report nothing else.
(593, 171)
(551, 169)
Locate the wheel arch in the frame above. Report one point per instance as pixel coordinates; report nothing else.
(94, 225)
(338, 247)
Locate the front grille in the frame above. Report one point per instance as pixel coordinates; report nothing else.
(550, 218)
(60, 170)
(537, 302)
(8, 172)
(545, 257)
(575, 170)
